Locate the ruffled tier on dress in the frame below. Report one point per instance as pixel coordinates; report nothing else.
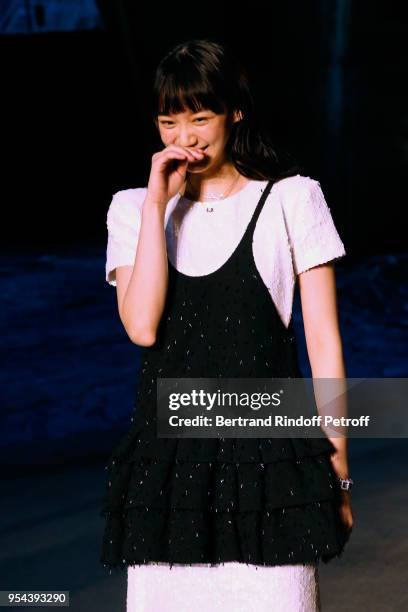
(264, 501)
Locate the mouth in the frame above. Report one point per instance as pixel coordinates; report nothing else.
(198, 161)
(204, 160)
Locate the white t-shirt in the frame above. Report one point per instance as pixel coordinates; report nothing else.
(294, 232)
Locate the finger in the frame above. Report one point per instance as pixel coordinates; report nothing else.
(177, 154)
(179, 151)
(190, 151)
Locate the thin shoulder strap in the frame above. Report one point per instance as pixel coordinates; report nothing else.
(259, 206)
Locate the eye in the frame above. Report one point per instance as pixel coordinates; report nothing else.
(167, 122)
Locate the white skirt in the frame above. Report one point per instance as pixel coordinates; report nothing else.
(232, 587)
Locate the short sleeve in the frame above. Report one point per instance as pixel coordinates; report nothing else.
(123, 222)
(313, 236)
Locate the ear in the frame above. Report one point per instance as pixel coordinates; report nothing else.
(237, 116)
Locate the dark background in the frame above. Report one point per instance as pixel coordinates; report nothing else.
(330, 81)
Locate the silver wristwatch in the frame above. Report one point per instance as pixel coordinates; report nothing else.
(346, 483)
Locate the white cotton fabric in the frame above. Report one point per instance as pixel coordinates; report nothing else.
(232, 587)
(295, 232)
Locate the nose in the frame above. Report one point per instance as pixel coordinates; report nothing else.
(186, 138)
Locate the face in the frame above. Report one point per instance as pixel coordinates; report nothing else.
(202, 130)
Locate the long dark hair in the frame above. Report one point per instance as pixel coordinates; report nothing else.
(204, 74)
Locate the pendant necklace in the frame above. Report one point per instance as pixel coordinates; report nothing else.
(219, 196)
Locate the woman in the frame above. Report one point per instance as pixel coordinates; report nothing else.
(205, 260)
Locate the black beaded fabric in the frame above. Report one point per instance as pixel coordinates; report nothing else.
(261, 501)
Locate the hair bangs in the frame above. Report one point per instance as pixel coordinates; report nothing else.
(180, 92)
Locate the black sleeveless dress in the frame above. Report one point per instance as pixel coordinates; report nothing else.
(263, 501)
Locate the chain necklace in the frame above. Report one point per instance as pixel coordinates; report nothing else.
(220, 196)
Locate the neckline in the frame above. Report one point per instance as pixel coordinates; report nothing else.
(217, 203)
(240, 245)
